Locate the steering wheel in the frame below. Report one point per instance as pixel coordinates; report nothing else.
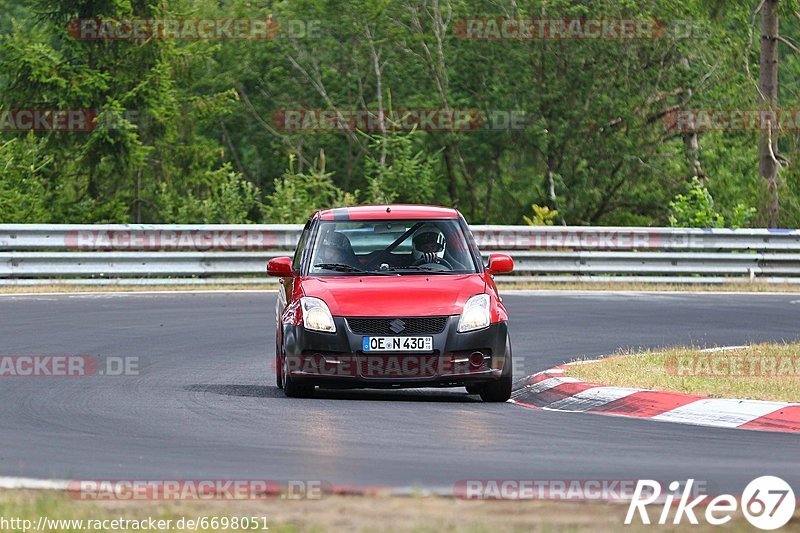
(372, 263)
(439, 261)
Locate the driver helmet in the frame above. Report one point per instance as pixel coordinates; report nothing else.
(429, 245)
(335, 248)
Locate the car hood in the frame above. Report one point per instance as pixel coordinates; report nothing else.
(407, 295)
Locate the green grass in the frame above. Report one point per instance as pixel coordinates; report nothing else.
(30, 505)
(761, 372)
(343, 513)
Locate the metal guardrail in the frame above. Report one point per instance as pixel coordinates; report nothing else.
(186, 254)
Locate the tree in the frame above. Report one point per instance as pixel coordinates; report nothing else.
(22, 191)
(768, 165)
(148, 152)
(298, 194)
(194, 121)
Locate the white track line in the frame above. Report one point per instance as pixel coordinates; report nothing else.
(33, 484)
(723, 348)
(720, 412)
(591, 399)
(24, 483)
(547, 384)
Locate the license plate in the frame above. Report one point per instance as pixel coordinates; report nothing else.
(398, 344)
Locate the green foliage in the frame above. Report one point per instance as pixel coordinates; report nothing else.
(740, 216)
(298, 194)
(399, 170)
(22, 191)
(149, 154)
(185, 131)
(228, 199)
(542, 216)
(696, 209)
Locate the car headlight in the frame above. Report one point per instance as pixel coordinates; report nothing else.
(476, 314)
(316, 315)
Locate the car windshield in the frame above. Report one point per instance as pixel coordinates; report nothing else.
(378, 247)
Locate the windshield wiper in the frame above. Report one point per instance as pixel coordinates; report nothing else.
(341, 267)
(421, 268)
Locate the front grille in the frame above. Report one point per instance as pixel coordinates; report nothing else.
(428, 325)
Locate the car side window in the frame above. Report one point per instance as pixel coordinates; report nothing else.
(301, 246)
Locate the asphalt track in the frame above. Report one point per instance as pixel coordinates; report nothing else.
(205, 406)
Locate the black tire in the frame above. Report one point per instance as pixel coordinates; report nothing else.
(294, 389)
(500, 390)
(497, 391)
(278, 367)
(474, 389)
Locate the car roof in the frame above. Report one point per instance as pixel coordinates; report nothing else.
(388, 211)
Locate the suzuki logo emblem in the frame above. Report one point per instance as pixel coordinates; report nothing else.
(397, 325)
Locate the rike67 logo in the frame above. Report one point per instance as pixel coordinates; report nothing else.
(768, 503)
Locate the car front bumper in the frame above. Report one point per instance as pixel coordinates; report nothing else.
(337, 360)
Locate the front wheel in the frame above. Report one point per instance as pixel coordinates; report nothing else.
(500, 390)
(291, 387)
(497, 391)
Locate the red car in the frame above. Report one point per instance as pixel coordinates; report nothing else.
(391, 296)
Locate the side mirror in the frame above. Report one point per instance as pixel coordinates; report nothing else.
(500, 264)
(280, 267)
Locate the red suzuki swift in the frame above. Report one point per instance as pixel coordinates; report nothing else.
(388, 297)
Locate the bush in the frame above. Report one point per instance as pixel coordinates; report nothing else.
(696, 209)
(542, 216)
(229, 199)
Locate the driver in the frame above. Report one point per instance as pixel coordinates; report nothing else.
(429, 246)
(336, 248)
